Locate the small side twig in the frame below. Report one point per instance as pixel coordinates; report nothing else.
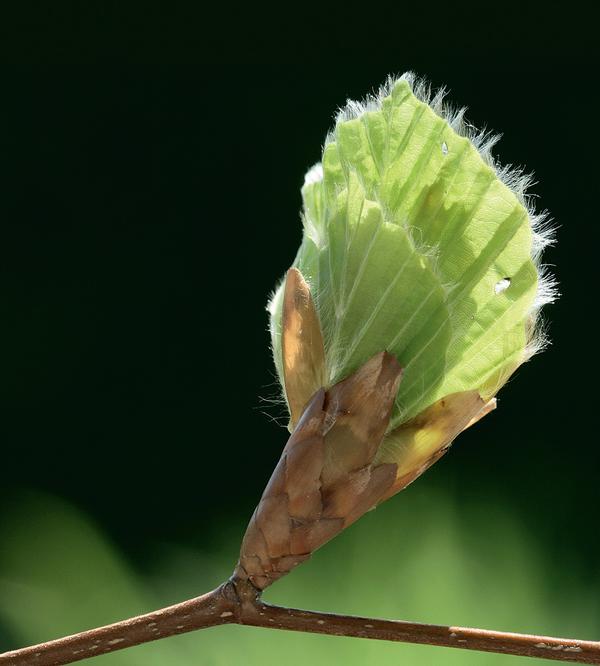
(238, 602)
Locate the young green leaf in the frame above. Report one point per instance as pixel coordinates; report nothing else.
(416, 242)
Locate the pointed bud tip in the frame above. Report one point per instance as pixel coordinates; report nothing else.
(294, 280)
(390, 362)
(390, 370)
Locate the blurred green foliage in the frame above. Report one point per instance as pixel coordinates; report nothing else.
(421, 557)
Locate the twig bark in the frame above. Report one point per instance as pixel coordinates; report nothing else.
(238, 602)
(213, 608)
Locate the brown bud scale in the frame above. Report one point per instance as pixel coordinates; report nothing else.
(326, 478)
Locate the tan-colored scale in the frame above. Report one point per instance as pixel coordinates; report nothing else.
(301, 344)
(338, 462)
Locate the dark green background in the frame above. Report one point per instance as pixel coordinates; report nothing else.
(145, 214)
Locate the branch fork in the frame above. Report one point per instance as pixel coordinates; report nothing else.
(238, 602)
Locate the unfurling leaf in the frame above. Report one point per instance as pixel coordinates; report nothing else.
(417, 243)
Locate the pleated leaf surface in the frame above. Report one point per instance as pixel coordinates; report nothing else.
(413, 244)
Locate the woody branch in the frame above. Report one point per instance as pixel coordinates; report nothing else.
(238, 602)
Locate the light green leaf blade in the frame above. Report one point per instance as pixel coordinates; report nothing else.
(417, 243)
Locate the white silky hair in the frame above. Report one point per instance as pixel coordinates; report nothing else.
(314, 174)
(515, 178)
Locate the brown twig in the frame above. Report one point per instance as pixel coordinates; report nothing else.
(238, 602)
(209, 610)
